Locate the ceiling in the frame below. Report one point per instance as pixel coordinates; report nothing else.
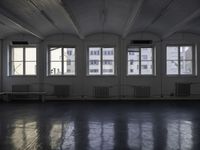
(43, 18)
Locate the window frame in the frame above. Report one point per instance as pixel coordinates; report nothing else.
(101, 56)
(23, 61)
(194, 64)
(140, 60)
(62, 61)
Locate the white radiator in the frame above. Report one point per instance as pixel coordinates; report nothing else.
(101, 92)
(62, 90)
(141, 91)
(182, 89)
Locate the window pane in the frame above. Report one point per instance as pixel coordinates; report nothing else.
(146, 53)
(133, 55)
(17, 54)
(69, 67)
(30, 68)
(133, 67)
(186, 67)
(108, 61)
(55, 68)
(94, 61)
(172, 53)
(17, 68)
(69, 54)
(108, 67)
(186, 52)
(146, 67)
(55, 54)
(172, 67)
(30, 54)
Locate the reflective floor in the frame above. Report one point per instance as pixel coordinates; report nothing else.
(99, 126)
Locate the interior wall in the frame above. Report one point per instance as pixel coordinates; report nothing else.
(82, 84)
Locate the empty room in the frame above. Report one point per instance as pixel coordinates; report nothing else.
(99, 75)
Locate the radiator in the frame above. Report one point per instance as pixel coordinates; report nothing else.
(141, 91)
(101, 92)
(182, 89)
(62, 90)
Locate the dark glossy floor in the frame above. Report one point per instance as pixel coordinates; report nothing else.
(100, 126)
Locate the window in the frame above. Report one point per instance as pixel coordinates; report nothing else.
(23, 60)
(179, 60)
(140, 61)
(101, 61)
(61, 61)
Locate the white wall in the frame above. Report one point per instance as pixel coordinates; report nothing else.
(81, 84)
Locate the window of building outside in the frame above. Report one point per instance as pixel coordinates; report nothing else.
(140, 61)
(101, 61)
(61, 61)
(179, 60)
(23, 61)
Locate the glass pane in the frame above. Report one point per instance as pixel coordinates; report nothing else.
(17, 54)
(186, 52)
(17, 68)
(108, 67)
(30, 68)
(55, 54)
(108, 61)
(146, 67)
(133, 67)
(95, 52)
(55, 68)
(172, 53)
(146, 53)
(94, 67)
(186, 67)
(94, 61)
(30, 54)
(108, 53)
(69, 67)
(172, 67)
(133, 55)
(69, 54)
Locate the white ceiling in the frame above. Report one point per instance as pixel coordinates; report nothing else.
(43, 18)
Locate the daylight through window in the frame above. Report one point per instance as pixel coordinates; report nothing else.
(62, 61)
(140, 61)
(101, 61)
(23, 61)
(179, 60)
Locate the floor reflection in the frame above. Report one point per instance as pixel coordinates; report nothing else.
(61, 127)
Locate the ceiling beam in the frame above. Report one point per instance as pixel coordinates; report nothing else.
(181, 24)
(71, 18)
(19, 23)
(132, 18)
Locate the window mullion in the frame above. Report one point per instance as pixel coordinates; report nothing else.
(179, 61)
(140, 61)
(24, 60)
(62, 64)
(101, 54)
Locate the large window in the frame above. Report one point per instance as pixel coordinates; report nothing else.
(179, 60)
(61, 61)
(23, 60)
(101, 61)
(140, 61)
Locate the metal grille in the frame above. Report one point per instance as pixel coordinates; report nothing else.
(101, 92)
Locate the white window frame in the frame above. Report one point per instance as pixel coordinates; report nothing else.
(23, 61)
(153, 60)
(62, 61)
(101, 56)
(194, 65)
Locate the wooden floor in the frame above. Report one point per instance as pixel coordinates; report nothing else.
(146, 125)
